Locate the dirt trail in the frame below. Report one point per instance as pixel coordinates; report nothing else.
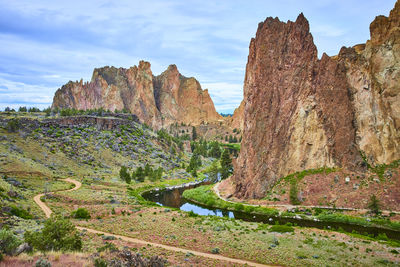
(47, 211)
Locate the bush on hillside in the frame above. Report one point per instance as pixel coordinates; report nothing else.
(81, 213)
(58, 234)
(8, 242)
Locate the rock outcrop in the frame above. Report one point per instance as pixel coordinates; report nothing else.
(237, 120)
(180, 99)
(302, 113)
(156, 100)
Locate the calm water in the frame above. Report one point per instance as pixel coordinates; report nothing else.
(173, 198)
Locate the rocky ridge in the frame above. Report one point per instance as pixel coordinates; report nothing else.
(156, 100)
(301, 112)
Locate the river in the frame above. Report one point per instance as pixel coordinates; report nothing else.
(172, 197)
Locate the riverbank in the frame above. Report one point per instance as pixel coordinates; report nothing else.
(335, 220)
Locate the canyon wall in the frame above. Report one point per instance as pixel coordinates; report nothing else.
(301, 112)
(156, 100)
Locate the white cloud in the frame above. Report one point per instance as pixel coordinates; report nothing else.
(45, 43)
(328, 30)
(226, 96)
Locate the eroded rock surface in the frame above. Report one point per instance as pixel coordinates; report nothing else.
(301, 112)
(156, 100)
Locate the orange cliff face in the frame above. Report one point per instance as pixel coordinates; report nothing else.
(156, 100)
(302, 113)
(237, 120)
(181, 99)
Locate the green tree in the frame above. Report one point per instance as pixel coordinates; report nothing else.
(213, 171)
(148, 170)
(215, 150)
(374, 205)
(194, 172)
(124, 174)
(226, 164)
(293, 193)
(57, 234)
(195, 162)
(33, 109)
(159, 173)
(194, 133)
(47, 111)
(22, 109)
(139, 174)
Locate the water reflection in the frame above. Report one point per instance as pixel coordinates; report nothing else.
(204, 211)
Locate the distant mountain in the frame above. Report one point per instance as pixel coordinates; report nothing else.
(156, 100)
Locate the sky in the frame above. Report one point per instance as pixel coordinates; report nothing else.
(46, 43)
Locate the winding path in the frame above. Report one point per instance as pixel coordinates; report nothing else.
(47, 211)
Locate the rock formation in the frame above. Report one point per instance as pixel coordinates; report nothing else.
(237, 120)
(156, 100)
(301, 112)
(181, 99)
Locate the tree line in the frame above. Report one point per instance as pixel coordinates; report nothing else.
(139, 174)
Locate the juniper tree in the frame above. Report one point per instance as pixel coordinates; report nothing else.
(226, 164)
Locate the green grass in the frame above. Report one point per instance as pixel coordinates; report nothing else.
(232, 146)
(342, 218)
(281, 228)
(298, 176)
(204, 195)
(379, 169)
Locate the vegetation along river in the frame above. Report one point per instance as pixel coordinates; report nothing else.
(172, 197)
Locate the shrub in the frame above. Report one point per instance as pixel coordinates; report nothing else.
(81, 213)
(58, 234)
(13, 125)
(281, 228)
(8, 242)
(20, 212)
(215, 251)
(42, 263)
(99, 262)
(192, 214)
